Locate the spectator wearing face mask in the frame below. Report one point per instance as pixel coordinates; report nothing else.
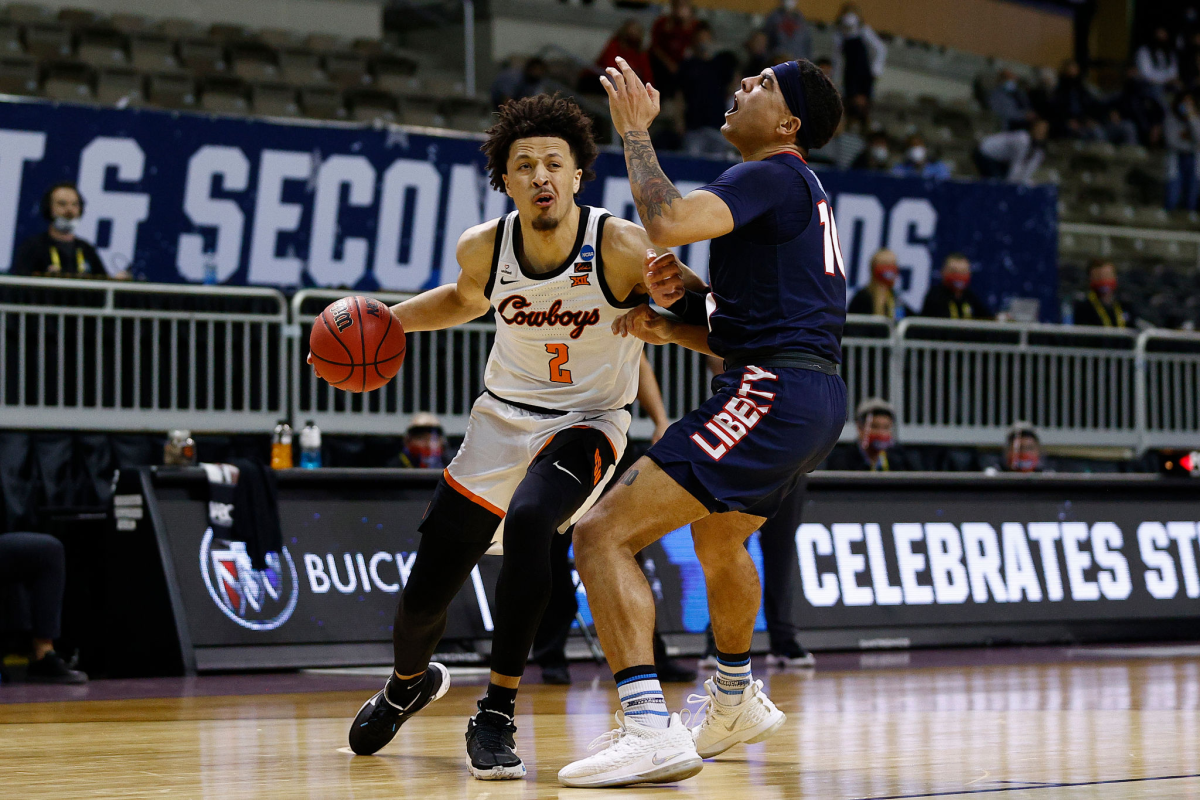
(859, 55)
(788, 32)
(1101, 308)
(628, 43)
(878, 297)
(1181, 130)
(57, 252)
(877, 156)
(953, 298)
(1009, 102)
(424, 443)
(875, 449)
(1014, 156)
(916, 163)
(1022, 451)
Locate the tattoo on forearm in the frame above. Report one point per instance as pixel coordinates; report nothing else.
(630, 477)
(652, 190)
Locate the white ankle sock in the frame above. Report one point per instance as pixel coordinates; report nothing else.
(732, 678)
(642, 699)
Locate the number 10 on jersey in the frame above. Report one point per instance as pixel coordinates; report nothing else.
(559, 354)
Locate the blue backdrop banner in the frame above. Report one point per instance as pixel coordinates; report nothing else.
(189, 198)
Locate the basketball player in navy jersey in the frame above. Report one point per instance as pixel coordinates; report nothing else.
(774, 313)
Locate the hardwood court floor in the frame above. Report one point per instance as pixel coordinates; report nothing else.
(1015, 725)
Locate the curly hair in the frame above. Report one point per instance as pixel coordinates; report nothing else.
(541, 115)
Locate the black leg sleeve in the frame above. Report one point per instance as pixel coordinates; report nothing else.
(454, 536)
(781, 568)
(37, 562)
(550, 641)
(557, 484)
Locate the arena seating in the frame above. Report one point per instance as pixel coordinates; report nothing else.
(130, 61)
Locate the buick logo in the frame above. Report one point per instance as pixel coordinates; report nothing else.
(260, 600)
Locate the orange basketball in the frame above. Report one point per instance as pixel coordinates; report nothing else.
(357, 344)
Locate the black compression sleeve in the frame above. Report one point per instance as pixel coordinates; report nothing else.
(692, 308)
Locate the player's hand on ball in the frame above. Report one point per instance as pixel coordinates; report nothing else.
(644, 324)
(633, 104)
(663, 278)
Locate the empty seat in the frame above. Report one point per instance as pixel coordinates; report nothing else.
(202, 56)
(68, 82)
(24, 13)
(423, 112)
(372, 106)
(222, 102)
(276, 100)
(180, 29)
(77, 17)
(153, 53)
(280, 39)
(172, 91)
(325, 43)
(301, 68)
(129, 23)
(225, 32)
(442, 85)
(10, 39)
(252, 61)
(472, 121)
(120, 87)
(18, 75)
(348, 70)
(102, 48)
(395, 74)
(46, 42)
(322, 102)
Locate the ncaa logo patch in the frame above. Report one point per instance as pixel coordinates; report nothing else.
(587, 253)
(260, 600)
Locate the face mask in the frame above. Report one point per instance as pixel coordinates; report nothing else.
(850, 21)
(880, 153)
(916, 154)
(65, 224)
(789, 5)
(1010, 86)
(885, 274)
(956, 283)
(877, 442)
(1021, 458)
(1104, 286)
(427, 455)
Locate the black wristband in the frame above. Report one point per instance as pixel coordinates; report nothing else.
(692, 308)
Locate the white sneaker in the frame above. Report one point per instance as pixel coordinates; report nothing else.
(636, 754)
(751, 721)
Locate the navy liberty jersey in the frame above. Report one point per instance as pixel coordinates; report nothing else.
(778, 283)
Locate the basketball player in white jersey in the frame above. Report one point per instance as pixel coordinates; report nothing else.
(544, 438)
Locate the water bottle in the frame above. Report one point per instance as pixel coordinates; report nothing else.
(210, 273)
(281, 446)
(310, 446)
(1067, 312)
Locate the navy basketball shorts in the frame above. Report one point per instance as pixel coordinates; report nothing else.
(746, 447)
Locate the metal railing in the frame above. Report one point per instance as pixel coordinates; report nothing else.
(121, 356)
(133, 357)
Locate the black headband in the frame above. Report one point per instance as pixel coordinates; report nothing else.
(787, 75)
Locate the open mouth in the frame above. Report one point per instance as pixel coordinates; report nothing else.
(544, 200)
(734, 108)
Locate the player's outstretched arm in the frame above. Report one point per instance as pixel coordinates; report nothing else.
(632, 265)
(670, 218)
(456, 303)
(653, 328)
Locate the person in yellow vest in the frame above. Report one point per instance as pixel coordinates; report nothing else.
(57, 252)
(953, 298)
(1101, 307)
(875, 449)
(878, 297)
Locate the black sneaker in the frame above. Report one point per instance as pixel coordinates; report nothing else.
(380, 718)
(791, 654)
(50, 668)
(491, 751)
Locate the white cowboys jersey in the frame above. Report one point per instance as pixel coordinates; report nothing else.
(554, 343)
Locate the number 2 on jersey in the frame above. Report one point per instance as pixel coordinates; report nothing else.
(833, 248)
(560, 355)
